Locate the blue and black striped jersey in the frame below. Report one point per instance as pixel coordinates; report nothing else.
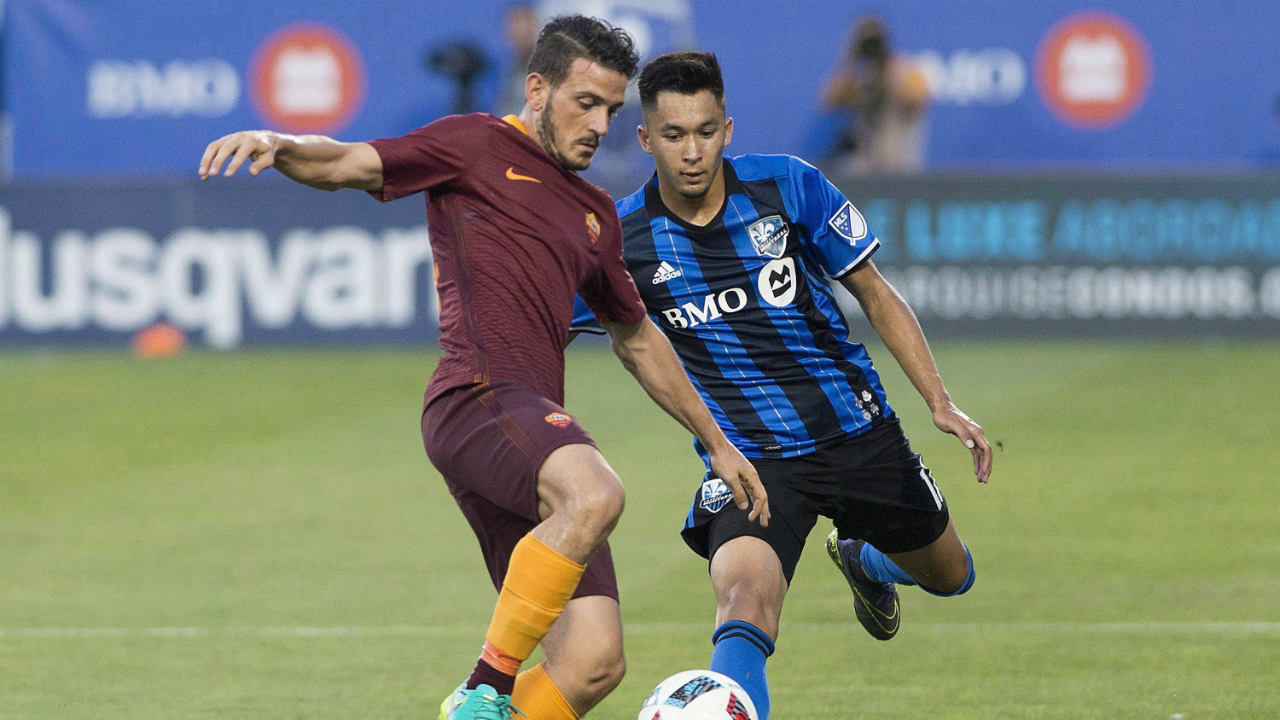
(746, 303)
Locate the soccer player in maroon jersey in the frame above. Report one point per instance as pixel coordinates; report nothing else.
(515, 233)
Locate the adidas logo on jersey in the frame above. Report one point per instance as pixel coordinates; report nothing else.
(666, 272)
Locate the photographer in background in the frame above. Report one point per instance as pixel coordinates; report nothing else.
(889, 97)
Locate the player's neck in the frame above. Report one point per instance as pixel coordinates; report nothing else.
(697, 211)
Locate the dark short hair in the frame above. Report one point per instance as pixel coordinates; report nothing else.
(569, 37)
(686, 73)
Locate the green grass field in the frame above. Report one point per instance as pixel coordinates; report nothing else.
(260, 535)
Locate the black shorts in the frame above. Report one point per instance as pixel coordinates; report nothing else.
(872, 486)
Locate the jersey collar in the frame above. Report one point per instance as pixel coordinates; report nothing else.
(656, 208)
(514, 122)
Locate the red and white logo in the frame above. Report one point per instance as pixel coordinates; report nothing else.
(307, 78)
(1093, 70)
(560, 420)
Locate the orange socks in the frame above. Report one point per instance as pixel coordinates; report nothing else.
(539, 698)
(538, 585)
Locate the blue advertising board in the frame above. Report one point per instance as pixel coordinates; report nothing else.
(138, 87)
(233, 262)
(228, 262)
(1083, 256)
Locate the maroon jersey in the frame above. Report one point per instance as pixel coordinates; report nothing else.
(514, 236)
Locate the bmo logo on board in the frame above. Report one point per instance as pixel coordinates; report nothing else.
(1093, 70)
(307, 78)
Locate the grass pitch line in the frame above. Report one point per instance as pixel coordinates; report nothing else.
(1210, 627)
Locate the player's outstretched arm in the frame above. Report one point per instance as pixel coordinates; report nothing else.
(648, 355)
(898, 328)
(313, 160)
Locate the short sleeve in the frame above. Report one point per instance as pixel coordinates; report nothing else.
(432, 155)
(609, 292)
(837, 237)
(583, 319)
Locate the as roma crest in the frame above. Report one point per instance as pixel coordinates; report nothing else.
(593, 227)
(560, 420)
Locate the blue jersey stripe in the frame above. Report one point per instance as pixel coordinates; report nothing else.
(746, 303)
(727, 351)
(833, 409)
(859, 361)
(723, 420)
(732, 409)
(826, 321)
(768, 349)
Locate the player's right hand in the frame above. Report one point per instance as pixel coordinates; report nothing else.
(951, 420)
(258, 145)
(740, 475)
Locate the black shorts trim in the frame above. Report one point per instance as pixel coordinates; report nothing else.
(872, 486)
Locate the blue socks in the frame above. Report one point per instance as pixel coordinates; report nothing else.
(740, 652)
(881, 569)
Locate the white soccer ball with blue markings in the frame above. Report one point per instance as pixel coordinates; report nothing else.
(698, 695)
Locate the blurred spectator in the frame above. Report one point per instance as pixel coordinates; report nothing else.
(520, 27)
(1270, 155)
(463, 62)
(889, 97)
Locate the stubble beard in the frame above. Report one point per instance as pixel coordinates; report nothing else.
(547, 136)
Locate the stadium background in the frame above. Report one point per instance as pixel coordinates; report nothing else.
(256, 532)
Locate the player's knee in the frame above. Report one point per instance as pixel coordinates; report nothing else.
(754, 601)
(600, 502)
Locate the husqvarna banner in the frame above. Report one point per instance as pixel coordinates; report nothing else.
(227, 263)
(265, 261)
(111, 87)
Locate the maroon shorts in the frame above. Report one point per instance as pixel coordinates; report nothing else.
(489, 441)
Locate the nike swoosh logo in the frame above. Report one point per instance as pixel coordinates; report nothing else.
(877, 611)
(513, 175)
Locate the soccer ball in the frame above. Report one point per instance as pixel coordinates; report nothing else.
(698, 695)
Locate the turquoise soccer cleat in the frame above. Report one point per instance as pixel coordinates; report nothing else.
(483, 703)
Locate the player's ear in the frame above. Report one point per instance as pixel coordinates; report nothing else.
(642, 133)
(536, 90)
(728, 131)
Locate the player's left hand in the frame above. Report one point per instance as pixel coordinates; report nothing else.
(951, 420)
(740, 475)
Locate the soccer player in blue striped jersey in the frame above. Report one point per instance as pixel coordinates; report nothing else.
(735, 260)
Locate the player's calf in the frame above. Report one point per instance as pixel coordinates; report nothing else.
(748, 580)
(956, 579)
(944, 567)
(584, 662)
(592, 675)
